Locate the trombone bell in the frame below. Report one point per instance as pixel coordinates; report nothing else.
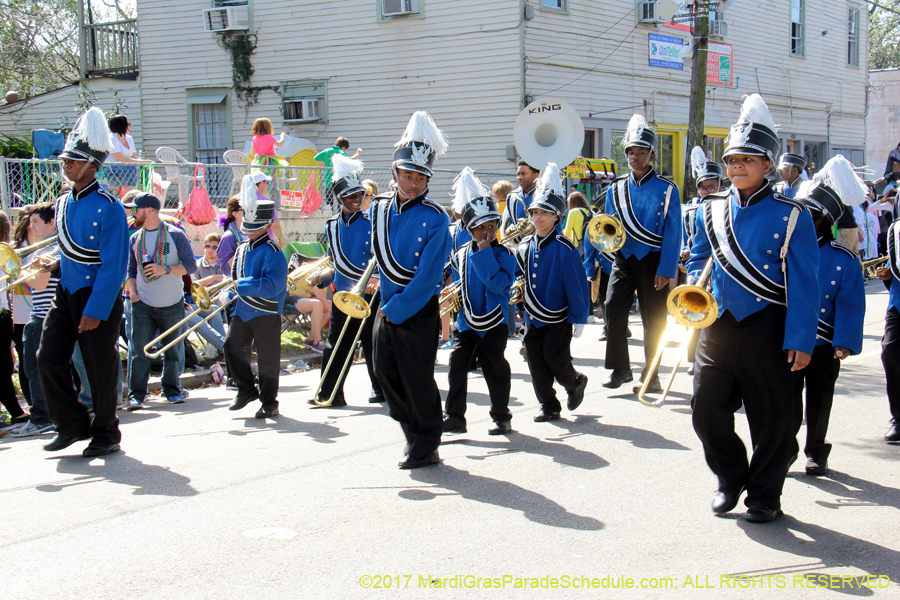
(352, 305)
(692, 306)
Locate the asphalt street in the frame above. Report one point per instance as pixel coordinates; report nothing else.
(612, 501)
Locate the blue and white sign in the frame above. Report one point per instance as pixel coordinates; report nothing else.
(665, 51)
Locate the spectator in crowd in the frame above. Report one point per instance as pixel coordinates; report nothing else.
(264, 143)
(159, 255)
(231, 239)
(7, 389)
(21, 294)
(371, 192)
(872, 229)
(209, 274)
(893, 161)
(341, 145)
(577, 219)
(124, 151)
(43, 285)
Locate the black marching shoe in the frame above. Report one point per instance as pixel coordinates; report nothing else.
(691, 369)
(454, 424)
(545, 415)
(240, 403)
(761, 514)
(375, 397)
(100, 449)
(63, 441)
(617, 378)
(267, 412)
(576, 396)
(893, 434)
(724, 502)
(500, 427)
(816, 467)
(653, 387)
(415, 463)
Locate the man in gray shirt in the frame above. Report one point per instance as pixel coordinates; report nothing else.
(159, 255)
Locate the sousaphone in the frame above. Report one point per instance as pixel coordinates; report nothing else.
(548, 131)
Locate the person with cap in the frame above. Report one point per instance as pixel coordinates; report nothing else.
(764, 269)
(556, 299)
(649, 208)
(259, 270)
(709, 178)
(160, 256)
(88, 306)
(790, 169)
(518, 200)
(842, 297)
(261, 181)
(411, 240)
(890, 342)
(349, 235)
(486, 271)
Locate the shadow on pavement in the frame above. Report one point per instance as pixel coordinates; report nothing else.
(640, 438)
(854, 491)
(535, 507)
(319, 432)
(148, 480)
(561, 452)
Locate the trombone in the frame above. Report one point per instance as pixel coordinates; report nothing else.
(872, 269)
(355, 306)
(695, 308)
(203, 298)
(300, 280)
(11, 259)
(605, 233)
(33, 273)
(521, 229)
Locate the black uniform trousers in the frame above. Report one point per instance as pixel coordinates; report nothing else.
(338, 319)
(819, 376)
(100, 352)
(742, 363)
(265, 330)
(549, 356)
(890, 358)
(494, 365)
(7, 390)
(404, 361)
(630, 275)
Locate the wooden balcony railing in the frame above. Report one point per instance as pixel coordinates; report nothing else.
(110, 48)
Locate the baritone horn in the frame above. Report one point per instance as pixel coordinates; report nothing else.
(450, 300)
(300, 280)
(872, 269)
(605, 233)
(522, 228)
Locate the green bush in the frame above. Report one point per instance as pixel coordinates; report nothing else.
(15, 147)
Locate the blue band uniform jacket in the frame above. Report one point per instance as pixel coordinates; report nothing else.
(459, 237)
(689, 222)
(487, 276)
(651, 215)
(411, 242)
(517, 203)
(842, 297)
(555, 289)
(752, 233)
(893, 244)
(592, 256)
(93, 241)
(260, 270)
(350, 247)
(788, 189)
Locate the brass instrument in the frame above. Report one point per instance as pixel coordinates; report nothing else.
(871, 268)
(521, 229)
(11, 259)
(300, 280)
(605, 233)
(32, 273)
(354, 305)
(450, 300)
(517, 291)
(203, 298)
(692, 306)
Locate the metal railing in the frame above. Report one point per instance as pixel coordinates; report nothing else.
(111, 47)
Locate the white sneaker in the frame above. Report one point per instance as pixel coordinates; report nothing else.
(209, 352)
(29, 429)
(593, 319)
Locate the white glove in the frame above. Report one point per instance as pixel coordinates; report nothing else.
(579, 328)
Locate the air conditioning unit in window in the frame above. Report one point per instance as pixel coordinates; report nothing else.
(398, 8)
(646, 13)
(301, 110)
(718, 29)
(229, 18)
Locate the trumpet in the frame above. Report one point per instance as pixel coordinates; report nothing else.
(203, 298)
(300, 280)
(520, 230)
(871, 268)
(29, 274)
(517, 291)
(695, 308)
(355, 306)
(11, 259)
(605, 233)
(450, 300)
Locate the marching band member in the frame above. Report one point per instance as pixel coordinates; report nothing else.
(842, 297)
(259, 270)
(648, 206)
(519, 199)
(789, 169)
(890, 343)
(556, 299)
(708, 176)
(597, 267)
(411, 240)
(93, 240)
(763, 276)
(486, 270)
(349, 235)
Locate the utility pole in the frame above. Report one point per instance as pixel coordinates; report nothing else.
(700, 30)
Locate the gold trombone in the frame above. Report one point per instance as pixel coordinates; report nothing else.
(871, 268)
(605, 233)
(203, 298)
(521, 229)
(692, 306)
(301, 280)
(53, 264)
(355, 306)
(11, 259)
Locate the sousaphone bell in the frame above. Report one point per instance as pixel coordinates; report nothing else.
(548, 131)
